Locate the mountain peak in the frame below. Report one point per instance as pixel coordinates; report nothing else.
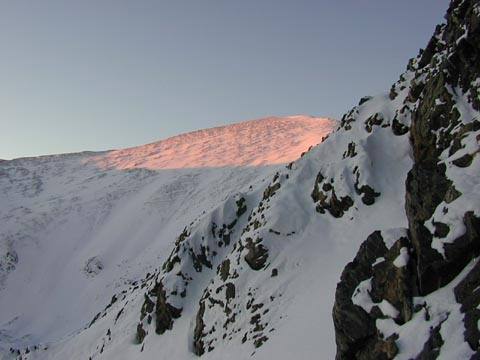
(266, 141)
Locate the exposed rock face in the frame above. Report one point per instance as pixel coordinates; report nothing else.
(354, 326)
(165, 313)
(435, 128)
(327, 199)
(393, 281)
(256, 256)
(389, 287)
(198, 344)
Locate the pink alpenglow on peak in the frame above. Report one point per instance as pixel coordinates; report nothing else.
(268, 141)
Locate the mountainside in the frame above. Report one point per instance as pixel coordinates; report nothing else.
(414, 294)
(78, 228)
(246, 262)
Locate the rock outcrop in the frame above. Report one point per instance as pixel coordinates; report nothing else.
(397, 277)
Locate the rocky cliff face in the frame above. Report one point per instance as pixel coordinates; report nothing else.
(414, 293)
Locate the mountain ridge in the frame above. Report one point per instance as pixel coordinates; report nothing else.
(308, 122)
(239, 144)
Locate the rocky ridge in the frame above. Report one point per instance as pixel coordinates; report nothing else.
(412, 292)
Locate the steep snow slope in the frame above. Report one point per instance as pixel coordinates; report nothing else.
(280, 255)
(78, 228)
(257, 274)
(261, 268)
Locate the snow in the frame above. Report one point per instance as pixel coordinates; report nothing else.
(126, 208)
(84, 226)
(402, 259)
(361, 297)
(241, 144)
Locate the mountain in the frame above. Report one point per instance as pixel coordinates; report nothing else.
(78, 228)
(379, 222)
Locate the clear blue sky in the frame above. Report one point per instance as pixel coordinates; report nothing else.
(101, 74)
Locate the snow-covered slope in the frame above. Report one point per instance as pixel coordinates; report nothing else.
(252, 272)
(256, 274)
(76, 229)
(243, 276)
(267, 141)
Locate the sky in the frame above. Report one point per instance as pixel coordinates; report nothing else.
(105, 74)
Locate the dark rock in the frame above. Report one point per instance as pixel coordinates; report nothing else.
(428, 53)
(415, 91)
(350, 151)
(379, 349)
(369, 194)
(464, 248)
(467, 294)
(257, 254)
(464, 161)
(374, 120)
(426, 188)
(147, 307)
(270, 191)
(230, 291)
(141, 333)
(165, 313)
(241, 207)
(393, 94)
(336, 207)
(327, 187)
(353, 326)
(441, 229)
(452, 194)
(396, 285)
(198, 333)
(201, 259)
(274, 232)
(316, 196)
(170, 263)
(364, 99)
(95, 318)
(431, 349)
(224, 269)
(260, 341)
(356, 334)
(398, 128)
